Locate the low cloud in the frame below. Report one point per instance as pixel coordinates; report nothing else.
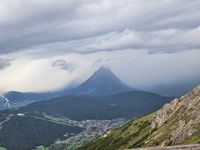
(136, 68)
(63, 65)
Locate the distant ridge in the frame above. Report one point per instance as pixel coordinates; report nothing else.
(122, 105)
(102, 82)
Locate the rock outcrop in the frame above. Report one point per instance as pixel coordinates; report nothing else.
(186, 111)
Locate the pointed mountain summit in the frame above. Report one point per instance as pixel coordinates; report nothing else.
(102, 82)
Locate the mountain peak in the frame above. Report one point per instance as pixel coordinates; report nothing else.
(102, 82)
(103, 70)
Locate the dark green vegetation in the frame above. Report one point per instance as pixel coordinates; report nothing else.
(124, 105)
(176, 123)
(27, 132)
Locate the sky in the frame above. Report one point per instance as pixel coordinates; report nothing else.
(50, 44)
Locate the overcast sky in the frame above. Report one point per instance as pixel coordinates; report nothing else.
(49, 44)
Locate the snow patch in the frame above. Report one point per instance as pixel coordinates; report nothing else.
(7, 101)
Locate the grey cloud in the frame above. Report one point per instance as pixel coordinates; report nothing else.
(154, 41)
(63, 65)
(86, 26)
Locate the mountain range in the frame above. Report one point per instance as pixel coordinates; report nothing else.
(102, 96)
(127, 105)
(44, 122)
(102, 82)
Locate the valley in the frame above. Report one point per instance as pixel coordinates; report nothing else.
(63, 132)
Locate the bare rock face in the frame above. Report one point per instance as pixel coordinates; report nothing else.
(182, 131)
(186, 111)
(165, 113)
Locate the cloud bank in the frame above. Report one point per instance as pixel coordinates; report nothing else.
(138, 69)
(45, 45)
(85, 26)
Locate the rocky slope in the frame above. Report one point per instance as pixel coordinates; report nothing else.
(176, 123)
